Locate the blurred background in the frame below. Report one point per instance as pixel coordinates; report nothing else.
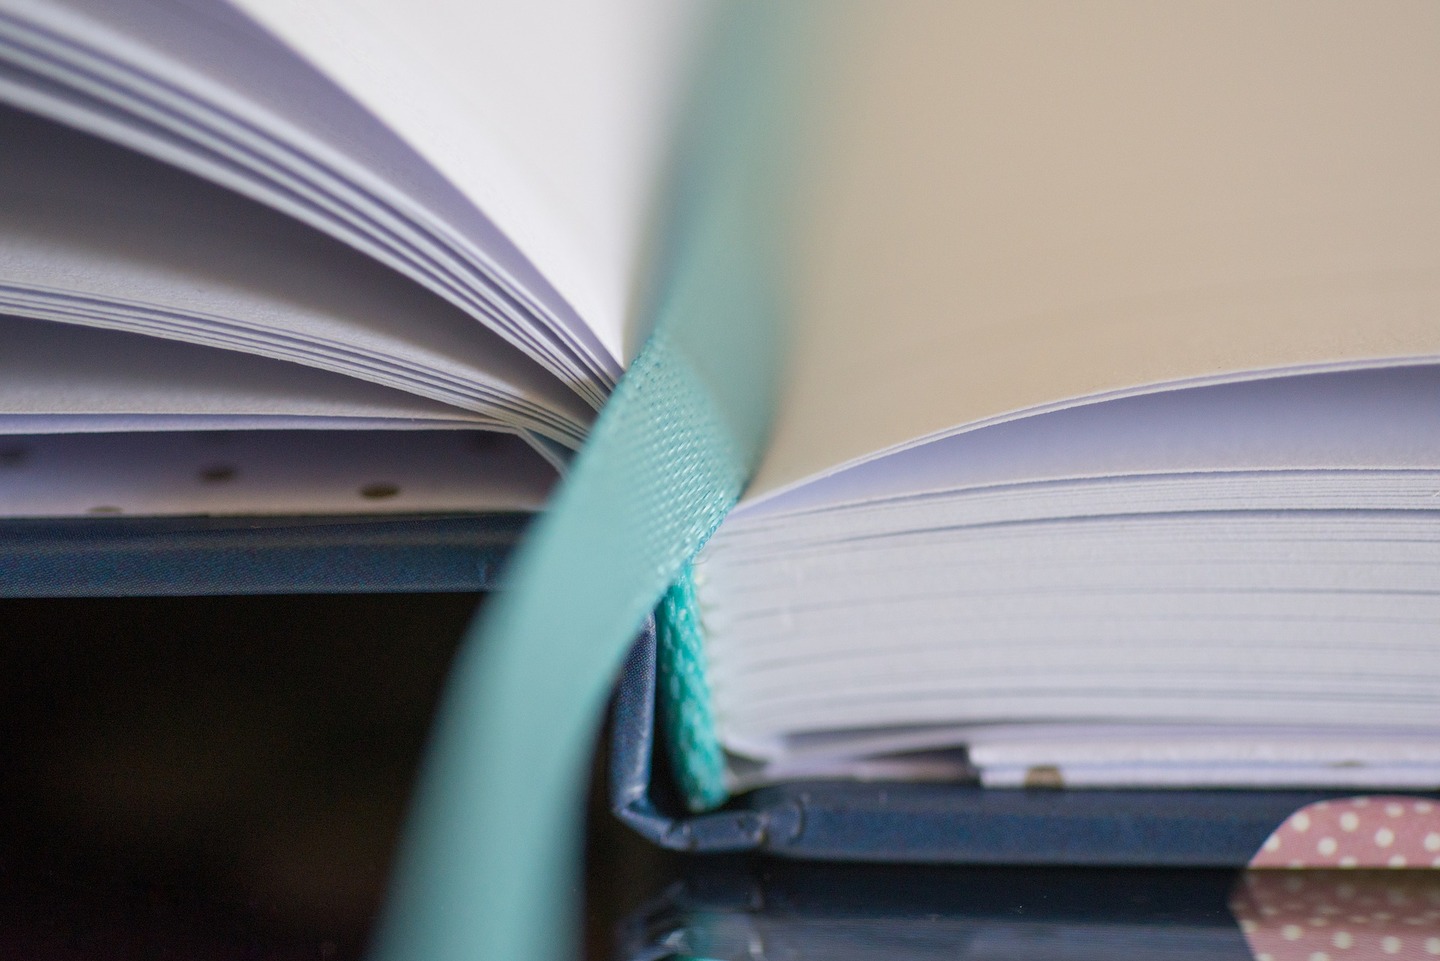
(225, 777)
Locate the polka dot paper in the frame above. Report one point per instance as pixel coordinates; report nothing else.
(1362, 832)
(1339, 915)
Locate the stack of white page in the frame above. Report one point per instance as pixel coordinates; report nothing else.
(1174, 589)
(256, 217)
(429, 141)
(99, 236)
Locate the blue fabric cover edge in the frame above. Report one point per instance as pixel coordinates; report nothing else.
(934, 823)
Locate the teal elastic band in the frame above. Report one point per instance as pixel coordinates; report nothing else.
(489, 865)
(686, 718)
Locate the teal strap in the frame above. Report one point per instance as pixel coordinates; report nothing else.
(488, 868)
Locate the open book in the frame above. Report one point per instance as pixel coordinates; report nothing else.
(1108, 448)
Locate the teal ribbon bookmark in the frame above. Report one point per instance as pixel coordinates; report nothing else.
(489, 866)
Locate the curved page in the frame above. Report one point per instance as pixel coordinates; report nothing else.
(57, 377)
(95, 234)
(1227, 434)
(203, 87)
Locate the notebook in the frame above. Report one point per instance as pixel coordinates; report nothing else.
(1070, 367)
(1104, 453)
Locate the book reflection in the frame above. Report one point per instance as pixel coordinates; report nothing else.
(868, 913)
(1331, 914)
(782, 912)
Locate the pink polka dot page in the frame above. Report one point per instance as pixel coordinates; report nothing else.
(1360, 832)
(1332, 915)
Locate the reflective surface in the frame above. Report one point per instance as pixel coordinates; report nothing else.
(859, 913)
(208, 777)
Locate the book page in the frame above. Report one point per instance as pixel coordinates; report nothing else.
(1356, 420)
(501, 156)
(81, 377)
(552, 118)
(1022, 205)
(269, 472)
(91, 233)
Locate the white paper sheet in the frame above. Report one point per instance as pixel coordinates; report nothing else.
(95, 234)
(268, 473)
(1366, 418)
(562, 157)
(1284, 617)
(1260, 553)
(553, 118)
(49, 370)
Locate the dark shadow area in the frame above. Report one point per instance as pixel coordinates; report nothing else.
(756, 908)
(226, 777)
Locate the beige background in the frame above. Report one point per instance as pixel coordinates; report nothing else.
(1023, 203)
